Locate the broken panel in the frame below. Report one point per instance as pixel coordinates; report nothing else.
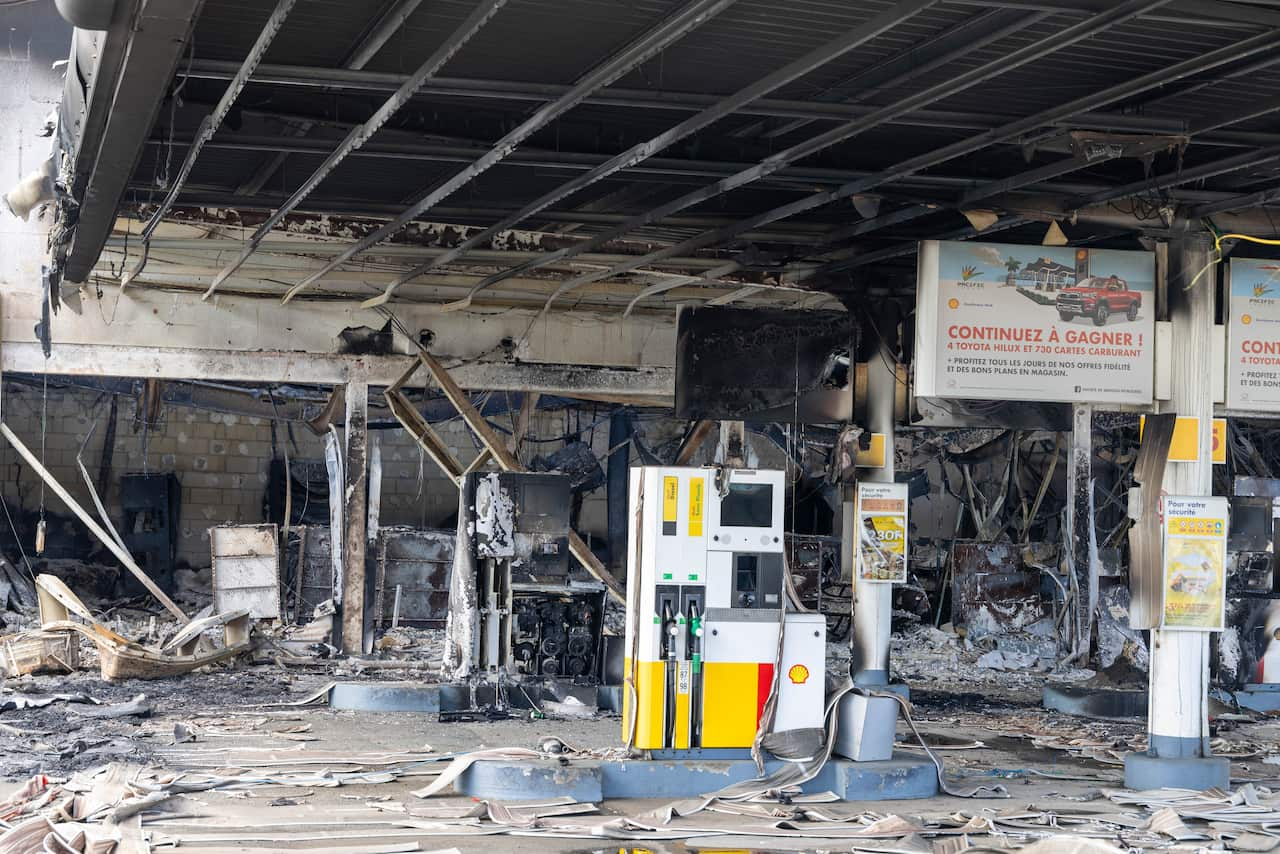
(246, 569)
(991, 591)
(764, 365)
(413, 569)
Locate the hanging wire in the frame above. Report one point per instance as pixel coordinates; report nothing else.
(1216, 255)
(44, 433)
(18, 540)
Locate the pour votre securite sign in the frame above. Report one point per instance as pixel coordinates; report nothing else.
(1004, 322)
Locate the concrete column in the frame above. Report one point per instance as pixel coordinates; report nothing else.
(1080, 526)
(354, 517)
(1177, 719)
(873, 603)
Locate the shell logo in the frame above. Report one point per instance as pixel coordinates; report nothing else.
(798, 674)
(953, 303)
(1246, 319)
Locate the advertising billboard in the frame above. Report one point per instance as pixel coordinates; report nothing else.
(1037, 323)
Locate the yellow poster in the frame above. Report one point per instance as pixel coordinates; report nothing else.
(1195, 560)
(882, 532)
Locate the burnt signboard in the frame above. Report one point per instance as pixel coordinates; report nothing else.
(764, 365)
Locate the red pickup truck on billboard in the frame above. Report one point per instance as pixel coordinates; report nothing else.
(1099, 297)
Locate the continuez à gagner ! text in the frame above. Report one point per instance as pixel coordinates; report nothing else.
(1045, 342)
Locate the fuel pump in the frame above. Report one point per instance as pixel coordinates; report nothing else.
(707, 610)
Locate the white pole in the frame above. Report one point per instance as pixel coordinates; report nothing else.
(873, 603)
(1177, 721)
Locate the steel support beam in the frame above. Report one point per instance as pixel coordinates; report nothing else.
(507, 90)
(670, 30)
(641, 151)
(1213, 13)
(209, 126)
(493, 442)
(185, 363)
(156, 41)
(1154, 184)
(1030, 53)
(658, 168)
(1245, 200)
(912, 165)
(360, 134)
(387, 25)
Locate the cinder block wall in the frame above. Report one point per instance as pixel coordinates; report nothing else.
(222, 461)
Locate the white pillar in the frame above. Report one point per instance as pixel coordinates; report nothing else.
(1180, 660)
(873, 603)
(1177, 719)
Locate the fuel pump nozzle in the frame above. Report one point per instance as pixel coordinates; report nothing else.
(670, 630)
(695, 636)
(695, 674)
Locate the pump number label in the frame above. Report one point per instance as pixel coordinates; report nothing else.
(682, 677)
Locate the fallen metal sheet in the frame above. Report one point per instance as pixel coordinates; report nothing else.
(137, 707)
(17, 702)
(384, 697)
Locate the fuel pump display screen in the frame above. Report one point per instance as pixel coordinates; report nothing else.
(748, 505)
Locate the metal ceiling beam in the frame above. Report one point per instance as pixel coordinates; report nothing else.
(912, 165)
(841, 133)
(1036, 176)
(1235, 203)
(156, 40)
(663, 168)
(1154, 184)
(508, 90)
(988, 189)
(366, 48)
(668, 31)
(641, 151)
(361, 133)
(1262, 157)
(203, 196)
(1204, 12)
(796, 232)
(210, 124)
